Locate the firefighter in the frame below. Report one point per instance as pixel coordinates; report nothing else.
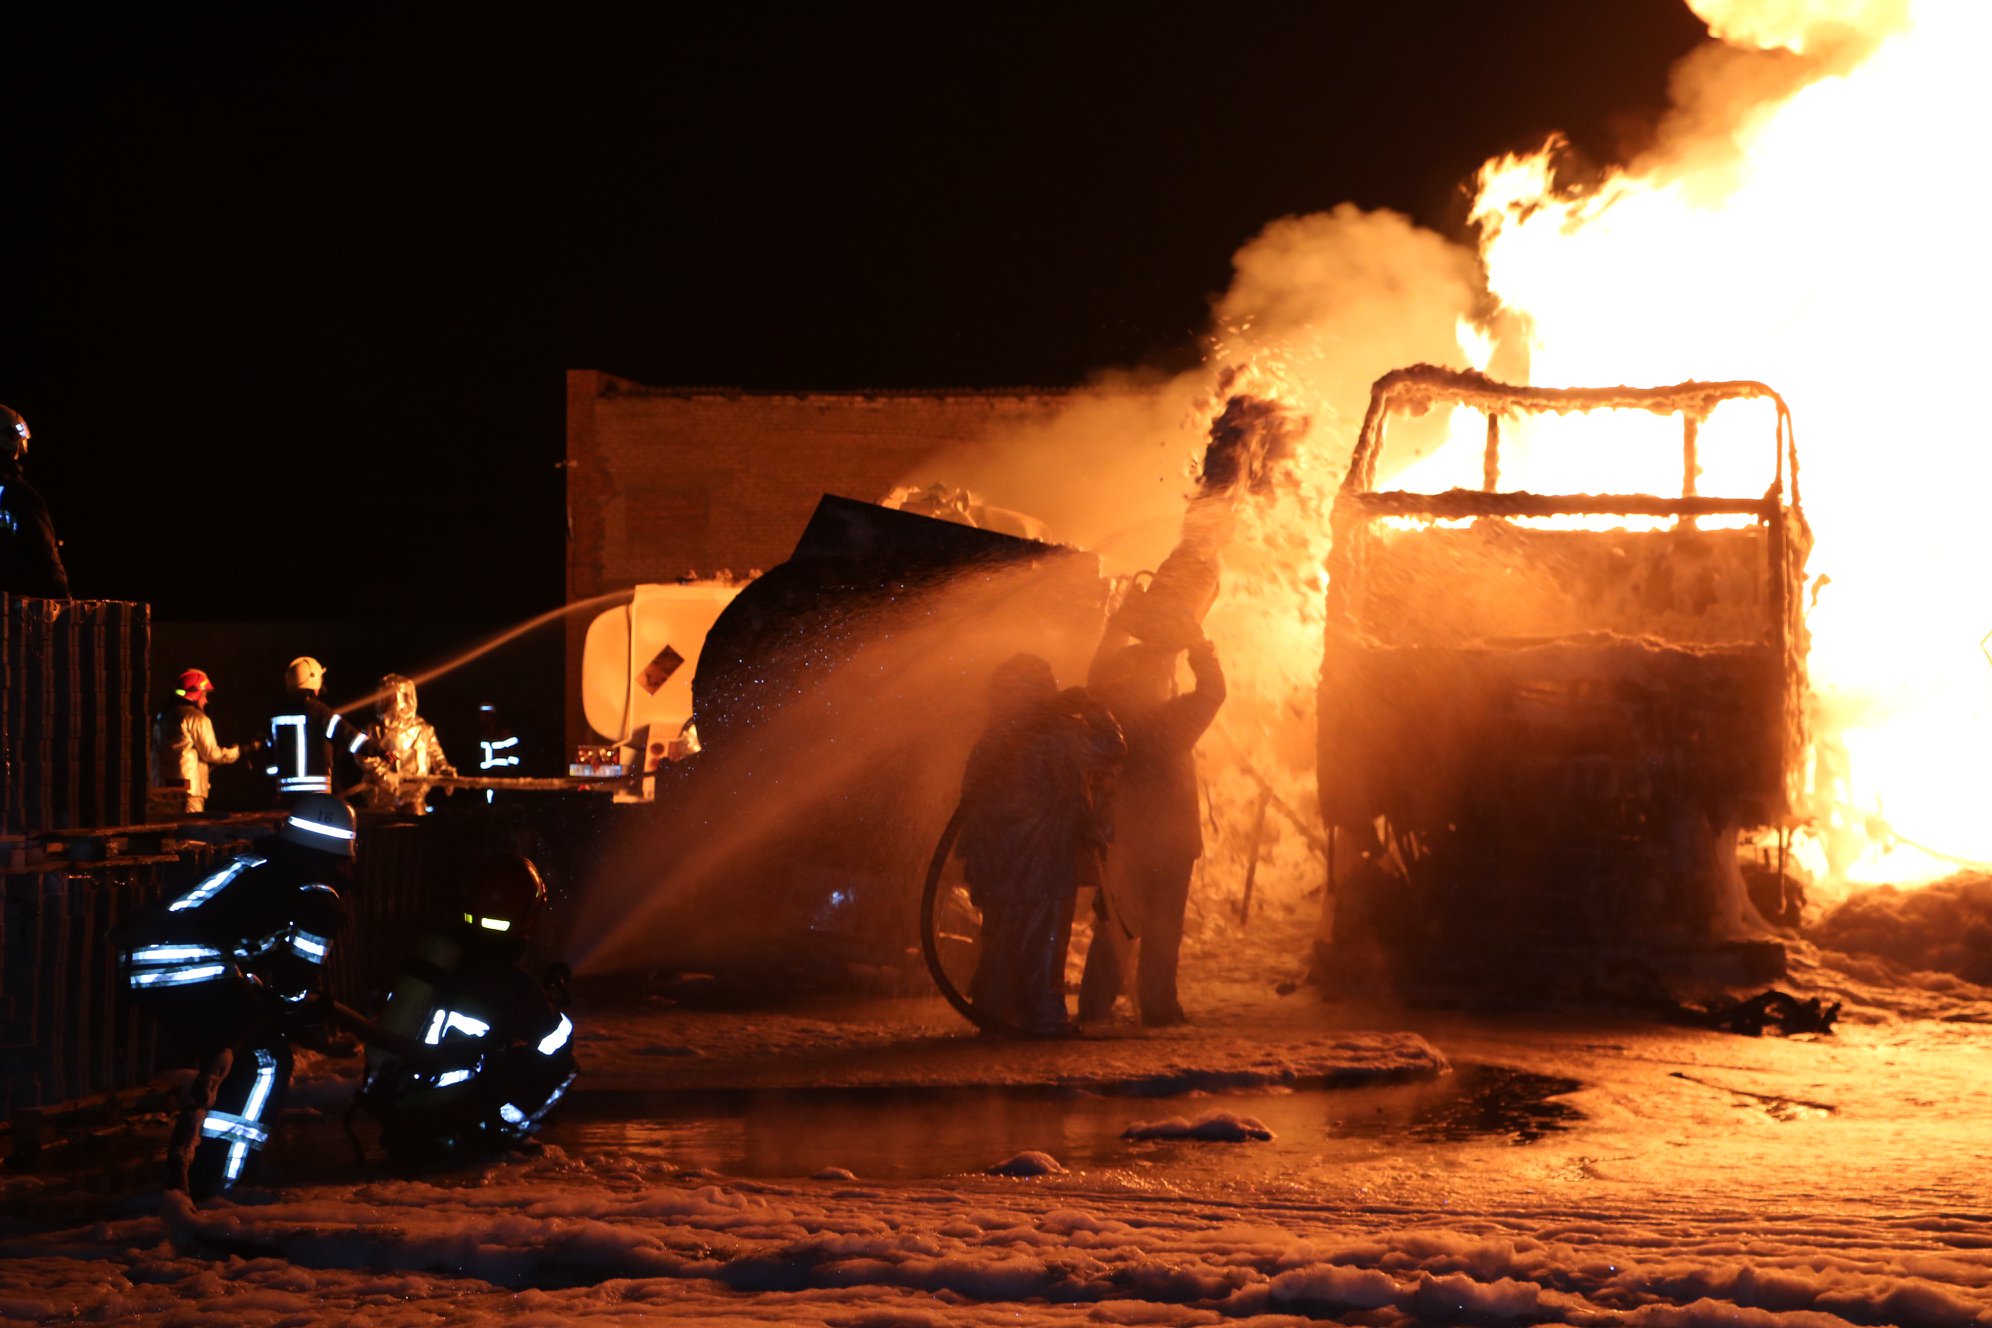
(30, 554)
(480, 1049)
(1157, 832)
(410, 750)
(183, 747)
(235, 967)
(498, 746)
(302, 734)
(1032, 829)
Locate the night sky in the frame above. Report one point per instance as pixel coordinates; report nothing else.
(289, 296)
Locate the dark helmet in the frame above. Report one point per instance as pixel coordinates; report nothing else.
(1020, 682)
(13, 436)
(1137, 674)
(508, 895)
(321, 823)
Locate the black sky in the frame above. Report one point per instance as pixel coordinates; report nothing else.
(270, 274)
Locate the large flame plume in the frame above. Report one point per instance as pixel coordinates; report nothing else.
(1825, 242)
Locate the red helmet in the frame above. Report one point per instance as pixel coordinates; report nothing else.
(194, 685)
(507, 896)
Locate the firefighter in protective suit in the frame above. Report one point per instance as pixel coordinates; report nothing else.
(1032, 831)
(497, 1053)
(183, 747)
(235, 967)
(410, 750)
(1157, 831)
(302, 734)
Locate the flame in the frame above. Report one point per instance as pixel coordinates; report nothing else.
(1804, 218)
(1825, 243)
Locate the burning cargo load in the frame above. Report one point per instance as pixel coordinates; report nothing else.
(1544, 718)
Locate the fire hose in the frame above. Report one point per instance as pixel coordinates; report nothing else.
(930, 943)
(376, 1034)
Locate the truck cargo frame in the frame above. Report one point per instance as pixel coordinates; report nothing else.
(1534, 730)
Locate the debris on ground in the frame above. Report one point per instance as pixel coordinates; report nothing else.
(1213, 1127)
(1027, 1164)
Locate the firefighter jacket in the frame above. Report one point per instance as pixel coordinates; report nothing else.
(1155, 805)
(1032, 824)
(232, 966)
(183, 747)
(256, 932)
(497, 749)
(30, 558)
(410, 751)
(503, 1052)
(301, 744)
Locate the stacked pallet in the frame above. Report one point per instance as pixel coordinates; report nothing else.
(74, 727)
(66, 1032)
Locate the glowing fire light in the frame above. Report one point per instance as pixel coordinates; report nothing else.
(1826, 243)
(1806, 217)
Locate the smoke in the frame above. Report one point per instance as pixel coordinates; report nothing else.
(1108, 471)
(803, 837)
(1319, 306)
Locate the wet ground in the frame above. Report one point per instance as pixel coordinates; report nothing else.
(875, 1134)
(933, 1133)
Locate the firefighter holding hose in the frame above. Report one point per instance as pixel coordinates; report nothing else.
(410, 750)
(473, 1050)
(1032, 831)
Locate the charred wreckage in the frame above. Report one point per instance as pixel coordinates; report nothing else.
(1535, 730)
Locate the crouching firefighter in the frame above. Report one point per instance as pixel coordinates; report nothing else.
(235, 968)
(473, 1051)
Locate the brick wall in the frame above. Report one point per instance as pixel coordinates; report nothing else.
(662, 481)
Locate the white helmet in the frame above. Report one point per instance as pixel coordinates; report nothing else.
(322, 823)
(306, 673)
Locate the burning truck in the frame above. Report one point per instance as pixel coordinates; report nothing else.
(1545, 717)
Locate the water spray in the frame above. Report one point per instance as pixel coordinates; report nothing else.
(490, 644)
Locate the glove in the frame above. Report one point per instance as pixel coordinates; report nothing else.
(311, 1012)
(555, 983)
